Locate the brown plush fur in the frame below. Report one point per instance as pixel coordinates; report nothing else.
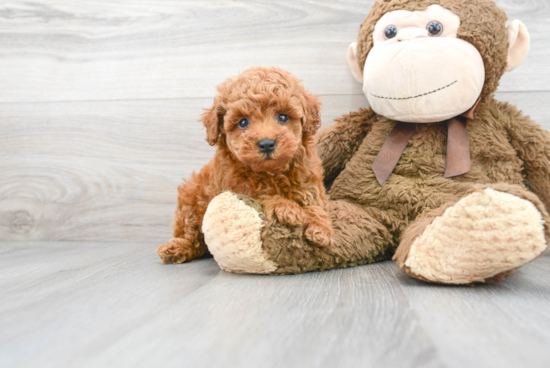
(509, 153)
(506, 147)
(288, 182)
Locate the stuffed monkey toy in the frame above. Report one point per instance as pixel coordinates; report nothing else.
(437, 174)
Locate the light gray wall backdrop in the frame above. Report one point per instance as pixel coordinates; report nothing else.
(99, 99)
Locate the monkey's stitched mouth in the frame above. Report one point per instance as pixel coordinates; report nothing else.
(417, 96)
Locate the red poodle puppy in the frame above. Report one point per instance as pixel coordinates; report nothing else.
(263, 123)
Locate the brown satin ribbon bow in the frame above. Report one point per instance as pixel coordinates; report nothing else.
(458, 147)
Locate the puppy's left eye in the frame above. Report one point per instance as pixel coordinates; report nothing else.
(244, 123)
(282, 118)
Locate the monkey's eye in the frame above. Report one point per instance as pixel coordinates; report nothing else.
(434, 28)
(282, 118)
(244, 123)
(390, 31)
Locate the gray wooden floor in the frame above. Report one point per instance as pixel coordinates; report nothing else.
(91, 304)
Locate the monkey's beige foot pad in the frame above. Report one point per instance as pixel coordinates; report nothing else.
(232, 232)
(483, 235)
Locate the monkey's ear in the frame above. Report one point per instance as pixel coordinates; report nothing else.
(311, 121)
(519, 41)
(213, 121)
(353, 63)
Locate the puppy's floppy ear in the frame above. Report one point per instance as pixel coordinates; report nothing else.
(311, 121)
(213, 121)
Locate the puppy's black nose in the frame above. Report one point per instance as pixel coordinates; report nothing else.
(267, 145)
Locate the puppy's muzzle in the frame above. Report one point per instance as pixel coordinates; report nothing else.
(267, 146)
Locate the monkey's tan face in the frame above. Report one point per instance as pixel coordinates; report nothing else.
(418, 70)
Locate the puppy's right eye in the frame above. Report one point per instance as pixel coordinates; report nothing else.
(244, 123)
(283, 119)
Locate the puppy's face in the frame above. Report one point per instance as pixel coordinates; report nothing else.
(262, 117)
(264, 136)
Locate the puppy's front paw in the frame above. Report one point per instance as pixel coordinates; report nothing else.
(176, 251)
(318, 226)
(320, 234)
(287, 212)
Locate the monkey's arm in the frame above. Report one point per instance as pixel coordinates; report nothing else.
(337, 143)
(532, 144)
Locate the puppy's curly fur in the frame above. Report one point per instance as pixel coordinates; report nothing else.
(263, 122)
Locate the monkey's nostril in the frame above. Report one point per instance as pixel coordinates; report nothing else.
(267, 145)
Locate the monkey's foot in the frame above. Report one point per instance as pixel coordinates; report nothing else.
(232, 230)
(484, 236)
